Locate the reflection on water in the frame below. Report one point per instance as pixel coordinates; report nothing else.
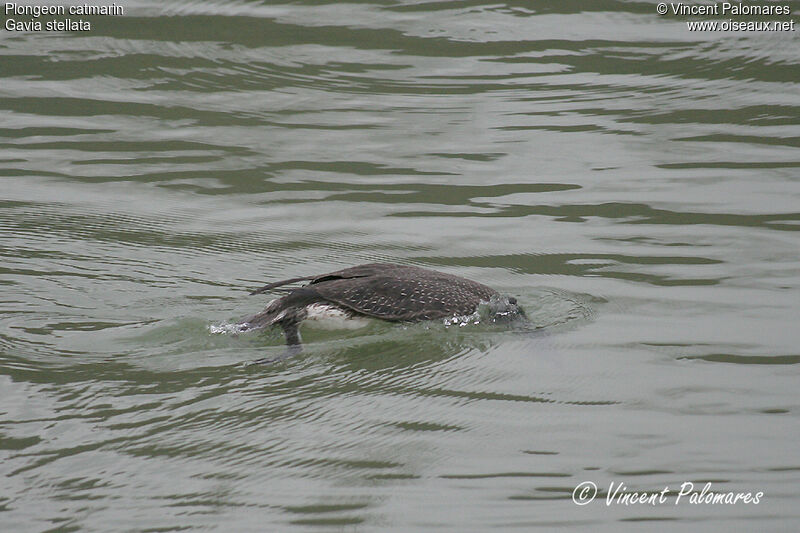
(633, 184)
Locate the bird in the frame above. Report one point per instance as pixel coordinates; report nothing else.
(385, 291)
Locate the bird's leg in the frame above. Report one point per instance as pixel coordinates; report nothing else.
(293, 344)
(291, 351)
(291, 330)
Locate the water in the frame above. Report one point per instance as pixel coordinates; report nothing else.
(633, 184)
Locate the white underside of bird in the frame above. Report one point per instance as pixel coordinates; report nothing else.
(325, 316)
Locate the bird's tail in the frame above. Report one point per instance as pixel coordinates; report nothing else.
(286, 312)
(277, 315)
(271, 314)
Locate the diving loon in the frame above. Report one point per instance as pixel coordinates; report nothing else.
(396, 293)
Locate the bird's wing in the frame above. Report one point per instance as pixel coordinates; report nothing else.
(359, 271)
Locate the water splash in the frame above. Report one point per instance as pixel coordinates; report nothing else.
(228, 328)
(463, 320)
(498, 309)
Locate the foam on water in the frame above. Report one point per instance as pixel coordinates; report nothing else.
(227, 328)
(463, 320)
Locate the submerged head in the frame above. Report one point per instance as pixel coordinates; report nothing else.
(504, 309)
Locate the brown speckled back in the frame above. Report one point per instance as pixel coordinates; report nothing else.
(401, 293)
